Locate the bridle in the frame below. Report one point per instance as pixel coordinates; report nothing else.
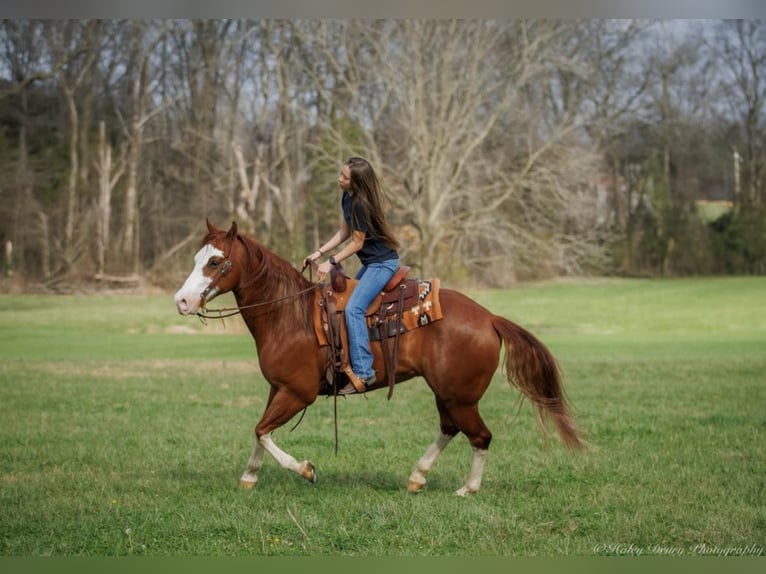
(212, 290)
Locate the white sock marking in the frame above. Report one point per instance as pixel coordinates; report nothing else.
(473, 482)
(426, 462)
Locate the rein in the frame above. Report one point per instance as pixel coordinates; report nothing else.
(226, 312)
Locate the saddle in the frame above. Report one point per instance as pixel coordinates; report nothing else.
(404, 304)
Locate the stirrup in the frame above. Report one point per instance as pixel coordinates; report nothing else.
(357, 385)
(349, 389)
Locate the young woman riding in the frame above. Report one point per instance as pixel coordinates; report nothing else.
(373, 243)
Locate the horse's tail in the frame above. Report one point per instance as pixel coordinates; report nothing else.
(532, 369)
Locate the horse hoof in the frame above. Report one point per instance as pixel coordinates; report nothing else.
(465, 491)
(415, 487)
(247, 484)
(309, 472)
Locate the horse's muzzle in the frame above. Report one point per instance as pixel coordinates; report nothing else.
(186, 306)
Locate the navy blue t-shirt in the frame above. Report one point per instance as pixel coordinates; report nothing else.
(374, 249)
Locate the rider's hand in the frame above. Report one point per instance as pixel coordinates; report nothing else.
(311, 257)
(323, 270)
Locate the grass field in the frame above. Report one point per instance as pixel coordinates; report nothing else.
(125, 428)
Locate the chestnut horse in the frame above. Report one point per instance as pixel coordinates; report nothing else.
(457, 355)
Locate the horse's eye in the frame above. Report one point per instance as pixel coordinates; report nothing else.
(213, 263)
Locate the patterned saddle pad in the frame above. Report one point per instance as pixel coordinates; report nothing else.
(420, 307)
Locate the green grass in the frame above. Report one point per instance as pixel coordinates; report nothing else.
(709, 211)
(124, 434)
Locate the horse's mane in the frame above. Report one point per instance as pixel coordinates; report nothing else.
(276, 279)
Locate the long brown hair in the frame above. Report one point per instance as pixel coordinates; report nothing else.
(365, 191)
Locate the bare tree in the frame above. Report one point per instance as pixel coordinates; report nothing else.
(436, 105)
(108, 176)
(402, 84)
(22, 43)
(195, 71)
(276, 135)
(548, 158)
(142, 40)
(618, 77)
(486, 134)
(741, 45)
(74, 48)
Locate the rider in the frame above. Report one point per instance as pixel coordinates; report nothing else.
(372, 241)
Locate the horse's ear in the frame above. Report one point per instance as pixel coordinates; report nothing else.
(232, 233)
(210, 227)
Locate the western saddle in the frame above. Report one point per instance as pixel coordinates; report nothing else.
(383, 318)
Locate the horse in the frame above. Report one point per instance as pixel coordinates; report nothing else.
(457, 355)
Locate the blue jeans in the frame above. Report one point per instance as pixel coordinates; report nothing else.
(372, 278)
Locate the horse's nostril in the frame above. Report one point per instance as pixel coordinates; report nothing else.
(183, 306)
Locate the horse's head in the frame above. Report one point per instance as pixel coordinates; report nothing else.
(213, 272)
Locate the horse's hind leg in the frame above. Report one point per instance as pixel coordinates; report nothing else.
(473, 482)
(470, 423)
(447, 431)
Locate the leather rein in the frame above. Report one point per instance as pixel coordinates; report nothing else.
(226, 312)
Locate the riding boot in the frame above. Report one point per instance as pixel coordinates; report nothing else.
(350, 389)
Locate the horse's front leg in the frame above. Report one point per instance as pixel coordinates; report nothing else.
(281, 407)
(263, 444)
(249, 478)
(305, 468)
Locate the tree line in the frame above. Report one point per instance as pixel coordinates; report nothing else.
(507, 149)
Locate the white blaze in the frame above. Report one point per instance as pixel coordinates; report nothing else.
(188, 297)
